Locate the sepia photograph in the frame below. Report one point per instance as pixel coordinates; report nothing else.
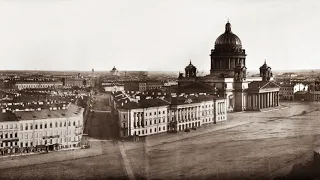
(159, 90)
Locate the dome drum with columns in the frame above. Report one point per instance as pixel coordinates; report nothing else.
(227, 53)
(228, 77)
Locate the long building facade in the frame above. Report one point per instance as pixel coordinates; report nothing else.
(31, 131)
(166, 114)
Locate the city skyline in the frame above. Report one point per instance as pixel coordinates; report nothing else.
(153, 35)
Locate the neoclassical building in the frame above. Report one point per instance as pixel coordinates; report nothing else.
(228, 77)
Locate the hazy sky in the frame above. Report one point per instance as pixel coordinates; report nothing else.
(155, 34)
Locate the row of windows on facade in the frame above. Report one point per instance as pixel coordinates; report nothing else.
(34, 85)
(150, 130)
(25, 127)
(184, 116)
(180, 117)
(35, 135)
(287, 89)
(145, 123)
(163, 112)
(288, 93)
(39, 142)
(155, 129)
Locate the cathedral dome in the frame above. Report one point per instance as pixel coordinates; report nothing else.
(228, 38)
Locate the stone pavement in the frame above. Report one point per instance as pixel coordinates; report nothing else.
(126, 162)
(168, 138)
(32, 159)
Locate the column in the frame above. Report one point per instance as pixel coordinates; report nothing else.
(255, 100)
(272, 99)
(259, 101)
(269, 104)
(277, 98)
(265, 99)
(262, 100)
(273, 103)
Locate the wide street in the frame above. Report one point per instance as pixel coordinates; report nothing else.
(251, 145)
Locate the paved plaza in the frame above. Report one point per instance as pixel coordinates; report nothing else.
(251, 145)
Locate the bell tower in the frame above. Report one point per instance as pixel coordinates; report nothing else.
(191, 71)
(265, 72)
(240, 87)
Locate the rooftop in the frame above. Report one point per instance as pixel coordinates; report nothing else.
(71, 111)
(193, 99)
(144, 104)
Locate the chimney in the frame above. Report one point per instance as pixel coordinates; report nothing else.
(3, 110)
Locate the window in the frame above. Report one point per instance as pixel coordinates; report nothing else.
(150, 122)
(124, 116)
(164, 128)
(21, 127)
(150, 130)
(40, 126)
(159, 112)
(69, 124)
(155, 129)
(155, 121)
(60, 124)
(155, 113)
(159, 129)
(163, 112)
(74, 123)
(56, 124)
(31, 126)
(45, 125)
(26, 127)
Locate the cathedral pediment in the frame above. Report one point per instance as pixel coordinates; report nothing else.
(261, 86)
(270, 85)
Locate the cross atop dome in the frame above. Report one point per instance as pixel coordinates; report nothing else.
(228, 27)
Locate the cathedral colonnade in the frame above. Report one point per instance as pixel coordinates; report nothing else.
(262, 100)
